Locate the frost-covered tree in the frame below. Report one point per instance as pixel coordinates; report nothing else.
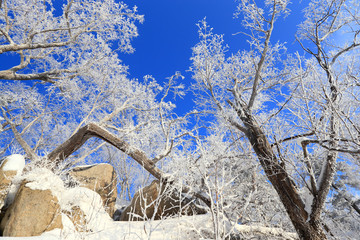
(69, 85)
(57, 46)
(298, 115)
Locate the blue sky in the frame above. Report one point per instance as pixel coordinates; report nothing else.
(169, 32)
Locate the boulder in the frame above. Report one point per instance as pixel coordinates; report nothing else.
(32, 213)
(100, 178)
(6, 178)
(137, 210)
(10, 167)
(156, 201)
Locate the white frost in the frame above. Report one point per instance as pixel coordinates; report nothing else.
(300, 140)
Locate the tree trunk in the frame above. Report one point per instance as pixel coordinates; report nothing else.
(284, 186)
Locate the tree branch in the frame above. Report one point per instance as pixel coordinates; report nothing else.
(262, 59)
(93, 130)
(46, 76)
(349, 200)
(15, 47)
(29, 152)
(292, 138)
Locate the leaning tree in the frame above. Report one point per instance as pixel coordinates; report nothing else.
(298, 114)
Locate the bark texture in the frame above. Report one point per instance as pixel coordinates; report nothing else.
(284, 186)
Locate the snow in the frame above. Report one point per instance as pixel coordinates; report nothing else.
(14, 162)
(45, 237)
(179, 228)
(183, 228)
(321, 176)
(308, 200)
(266, 230)
(90, 203)
(300, 140)
(43, 179)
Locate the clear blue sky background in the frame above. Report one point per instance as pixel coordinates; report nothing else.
(169, 32)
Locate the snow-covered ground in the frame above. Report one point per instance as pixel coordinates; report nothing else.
(99, 225)
(180, 228)
(184, 228)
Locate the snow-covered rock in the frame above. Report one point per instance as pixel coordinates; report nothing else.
(157, 201)
(85, 206)
(11, 167)
(32, 213)
(14, 162)
(43, 179)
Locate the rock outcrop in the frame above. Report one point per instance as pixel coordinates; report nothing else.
(156, 201)
(39, 202)
(5, 181)
(32, 213)
(10, 167)
(100, 178)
